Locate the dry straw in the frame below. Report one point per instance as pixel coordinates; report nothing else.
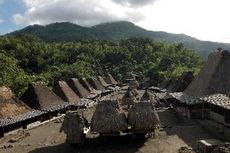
(108, 118)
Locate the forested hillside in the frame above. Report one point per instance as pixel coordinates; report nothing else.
(69, 32)
(24, 59)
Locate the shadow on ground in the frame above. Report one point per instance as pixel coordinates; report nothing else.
(110, 145)
(186, 130)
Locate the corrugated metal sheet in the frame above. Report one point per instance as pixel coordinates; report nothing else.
(220, 100)
(19, 118)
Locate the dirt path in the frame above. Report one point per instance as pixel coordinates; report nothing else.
(175, 134)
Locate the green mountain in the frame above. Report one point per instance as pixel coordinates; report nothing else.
(65, 32)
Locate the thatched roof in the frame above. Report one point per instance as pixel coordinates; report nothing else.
(165, 84)
(78, 88)
(182, 82)
(102, 81)
(62, 89)
(108, 118)
(96, 84)
(110, 80)
(142, 116)
(214, 76)
(146, 96)
(5, 93)
(39, 96)
(10, 106)
(129, 97)
(87, 85)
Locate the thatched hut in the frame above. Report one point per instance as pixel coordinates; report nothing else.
(214, 76)
(14, 114)
(143, 117)
(62, 90)
(110, 80)
(129, 97)
(145, 96)
(78, 88)
(87, 85)
(73, 125)
(108, 118)
(39, 96)
(96, 84)
(102, 81)
(182, 82)
(165, 84)
(10, 106)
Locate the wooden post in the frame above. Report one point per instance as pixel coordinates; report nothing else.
(202, 111)
(2, 132)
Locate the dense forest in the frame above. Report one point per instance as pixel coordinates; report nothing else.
(26, 58)
(115, 31)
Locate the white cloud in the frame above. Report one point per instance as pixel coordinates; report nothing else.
(134, 2)
(203, 19)
(83, 12)
(1, 20)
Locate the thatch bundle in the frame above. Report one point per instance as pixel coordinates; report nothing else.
(73, 126)
(5, 93)
(110, 80)
(142, 116)
(78, 88)
(102, 81)
(10, 106)
(181, 83)
(62, 89)
(39, 96)
(214, 76)
(108, 118)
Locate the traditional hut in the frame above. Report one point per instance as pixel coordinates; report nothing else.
(143, 117)
(219, 106)
(96, 84)
(110, 80)
(39, 96)
(87, 85)
(73, 126)
(14, 113)
(102, 81)
(10, 106)
(78, 88)
(62, 90)
(108, 118)
(145, 96)
(129, 97)
(214, 76)
(181, 83)
(165, 84)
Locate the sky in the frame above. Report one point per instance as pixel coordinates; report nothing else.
(202, 19)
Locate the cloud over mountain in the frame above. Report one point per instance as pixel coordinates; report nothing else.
(83, 12)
